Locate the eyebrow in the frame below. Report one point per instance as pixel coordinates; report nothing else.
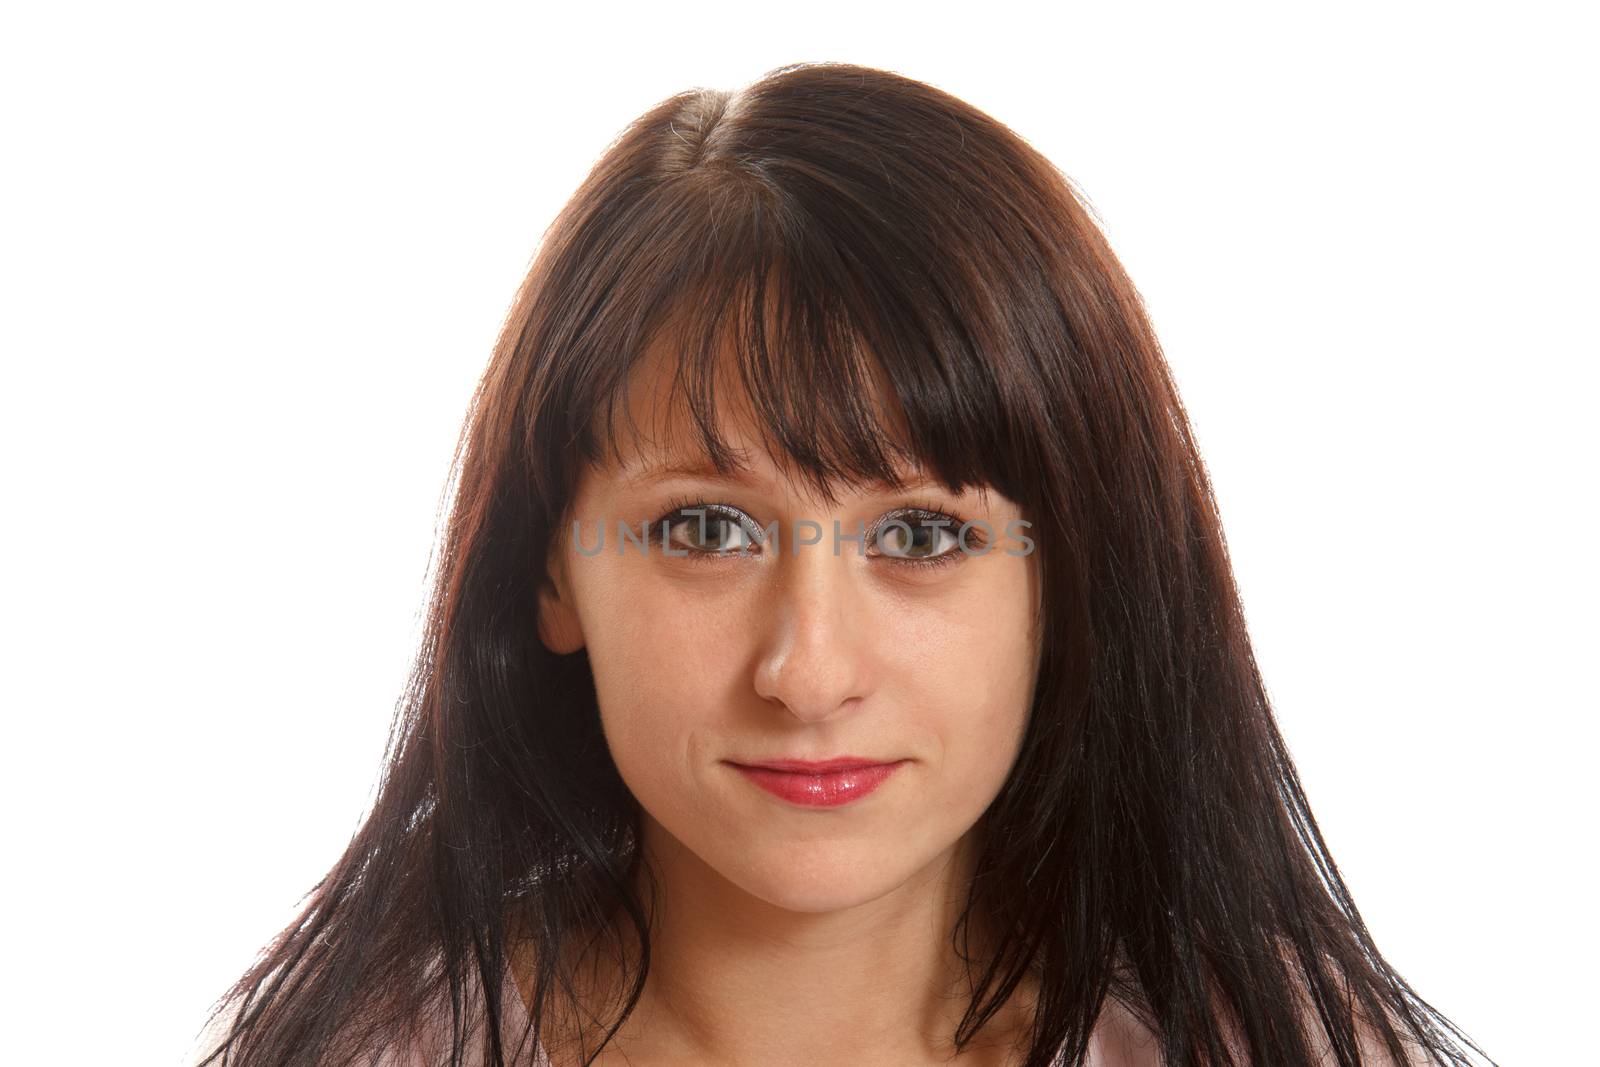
(700, 468)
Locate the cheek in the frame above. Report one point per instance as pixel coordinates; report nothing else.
(975, 673)
(661, 676)
(980, 700)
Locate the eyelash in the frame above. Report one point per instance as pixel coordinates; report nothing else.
(911, 513)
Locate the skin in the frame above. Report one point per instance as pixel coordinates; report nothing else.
(789, 935)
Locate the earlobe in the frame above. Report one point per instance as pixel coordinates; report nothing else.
(559, 626)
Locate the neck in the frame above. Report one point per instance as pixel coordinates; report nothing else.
(736, 979)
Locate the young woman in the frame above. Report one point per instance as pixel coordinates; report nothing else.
(833, 656)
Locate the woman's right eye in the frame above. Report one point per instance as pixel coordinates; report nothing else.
(709, 530)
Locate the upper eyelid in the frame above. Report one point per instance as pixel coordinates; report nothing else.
(725, 510)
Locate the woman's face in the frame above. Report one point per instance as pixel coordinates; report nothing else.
(797, 651)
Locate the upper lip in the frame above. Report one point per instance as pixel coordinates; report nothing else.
(827, 766)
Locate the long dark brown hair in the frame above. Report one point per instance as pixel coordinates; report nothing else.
(859, 235)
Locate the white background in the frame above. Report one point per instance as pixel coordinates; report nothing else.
(254, 259)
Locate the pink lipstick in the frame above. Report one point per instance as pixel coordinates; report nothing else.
(819, 784)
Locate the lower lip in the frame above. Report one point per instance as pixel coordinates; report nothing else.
(820, 790)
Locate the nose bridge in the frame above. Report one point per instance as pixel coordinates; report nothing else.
(814, 659)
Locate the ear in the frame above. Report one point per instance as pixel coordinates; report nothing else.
(559, 626)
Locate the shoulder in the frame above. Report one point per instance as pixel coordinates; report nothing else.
(212, 1035)
(1121, 1039)
(429, 1043)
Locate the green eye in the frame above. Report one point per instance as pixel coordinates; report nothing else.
(915, 540)
(706, 531)
(923, 538)
(709, 530)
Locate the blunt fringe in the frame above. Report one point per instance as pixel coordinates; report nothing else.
(857, 235)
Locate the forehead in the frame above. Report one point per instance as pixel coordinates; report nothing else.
(688, 412)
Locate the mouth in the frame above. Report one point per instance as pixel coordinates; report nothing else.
(826, 766)
(819, 783)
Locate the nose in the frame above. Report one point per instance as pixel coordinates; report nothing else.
(815, 659)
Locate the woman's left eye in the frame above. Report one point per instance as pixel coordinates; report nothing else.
(922, 538)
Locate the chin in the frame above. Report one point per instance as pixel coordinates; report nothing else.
(818, 886)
